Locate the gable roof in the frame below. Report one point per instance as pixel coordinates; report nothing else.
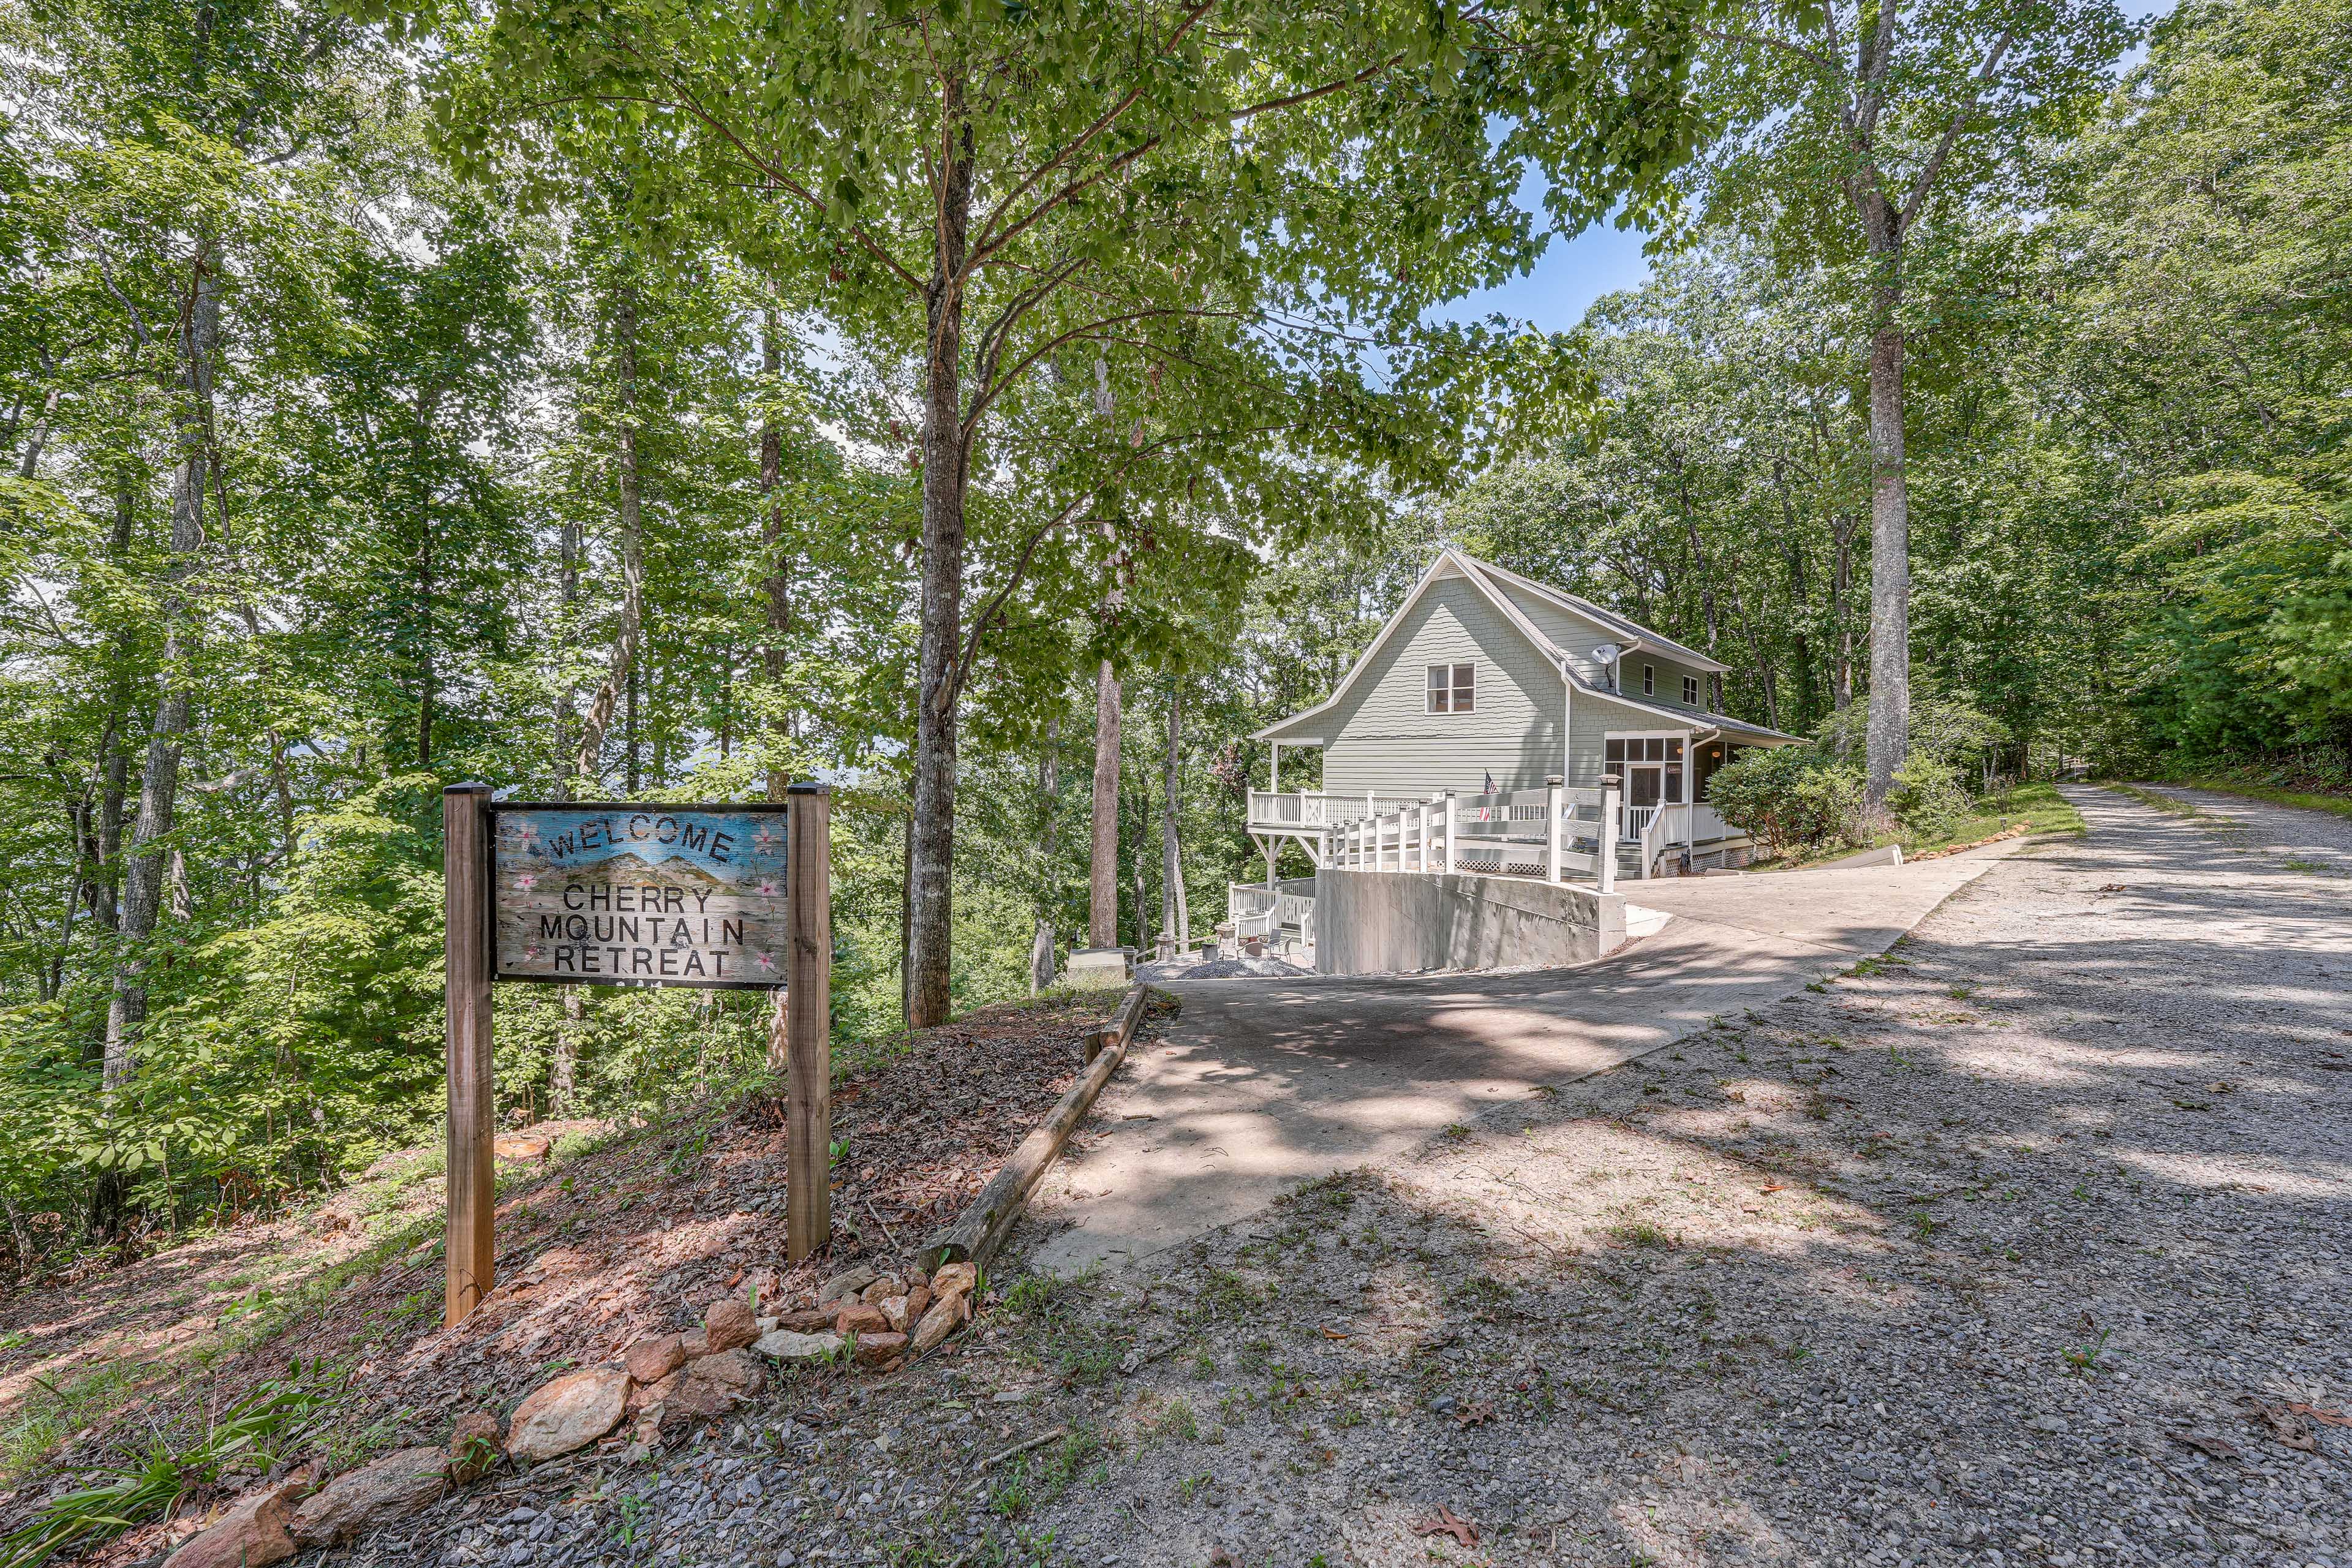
(1692, 718)
(1643, 636)
(1488, 580)
(1450, 563)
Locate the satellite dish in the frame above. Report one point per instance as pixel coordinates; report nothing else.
(1607, 652)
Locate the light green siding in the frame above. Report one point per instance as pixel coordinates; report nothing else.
(1592, 717)
(1572, 634)
(1382, 736)
(1577, 636)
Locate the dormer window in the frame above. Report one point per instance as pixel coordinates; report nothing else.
(1453, 687)
(1690, 691)
(1649, 680)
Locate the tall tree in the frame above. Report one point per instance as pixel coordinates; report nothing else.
(1102, 861)
(1175, 911)
(1848, 132)
(1182, 184)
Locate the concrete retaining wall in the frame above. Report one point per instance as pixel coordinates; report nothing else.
(1400, 923)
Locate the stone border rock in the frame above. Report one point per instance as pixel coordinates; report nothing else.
(664, 1383)
(2017, 831)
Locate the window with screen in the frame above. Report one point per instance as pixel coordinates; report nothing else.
(1690, 689)
(1453, 687)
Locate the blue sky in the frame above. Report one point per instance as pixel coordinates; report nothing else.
(1575, 272)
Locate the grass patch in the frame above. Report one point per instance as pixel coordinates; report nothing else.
(1053, 1329)
(2038, 805)
(251, 1434)
(2334, 804)
(1642, 1234)
(2163, 803)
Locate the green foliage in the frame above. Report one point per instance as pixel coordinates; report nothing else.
(1789, 798)
(251, 1434)
(453, 279)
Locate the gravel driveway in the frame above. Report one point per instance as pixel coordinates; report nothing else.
(2300, 840)
(2024, 1246)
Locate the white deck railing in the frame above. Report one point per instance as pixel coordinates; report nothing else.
(1324, 809)
(1506, 834)
(1547, 833)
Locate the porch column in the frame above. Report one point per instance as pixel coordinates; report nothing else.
(1552, 828)
(1690, 793)
(1449, 833)
(1605, 848)
(1274, 771)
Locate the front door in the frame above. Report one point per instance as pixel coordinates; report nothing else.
(1652, 768)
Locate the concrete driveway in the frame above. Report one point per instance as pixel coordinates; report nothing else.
(1264, 1084)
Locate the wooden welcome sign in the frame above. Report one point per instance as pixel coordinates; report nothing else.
(733, 897)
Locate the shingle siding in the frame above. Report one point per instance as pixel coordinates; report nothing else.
(1577, 637)
(1592, 717)
(1383, 736)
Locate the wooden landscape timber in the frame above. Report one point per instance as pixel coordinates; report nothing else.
(982, 1228)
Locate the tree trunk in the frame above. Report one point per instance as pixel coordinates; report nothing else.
(931, 911)
(1841, 616)
(1175, 916)
(1049, 796)
(114, 753)
(1102, 893)
(429, 695)
(777, 589)
(907, 915)
(563, 1069)
(1890, 559)
(568, 579)
(160, 782)
(778, 586)
(632, 775)
(620, 668)
(1139, 859)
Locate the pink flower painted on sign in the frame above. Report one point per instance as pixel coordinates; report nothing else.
(767, 840)
(526, 881)
(768, 887)
(767, 961)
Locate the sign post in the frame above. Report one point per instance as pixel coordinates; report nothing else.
(808, 1025)
(473, 1100)
(718, 897)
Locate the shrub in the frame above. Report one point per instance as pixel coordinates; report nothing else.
(1928, 796)
(1792, 797)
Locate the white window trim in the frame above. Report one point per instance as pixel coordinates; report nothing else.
(1690, 689)
(1649, 680)
(1429, 692)
(1682, 761)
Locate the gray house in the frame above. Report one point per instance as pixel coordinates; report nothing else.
(1489, 687)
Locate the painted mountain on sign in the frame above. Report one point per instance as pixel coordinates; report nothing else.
(629, 867)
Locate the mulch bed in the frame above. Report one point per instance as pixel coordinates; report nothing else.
(640, 1237)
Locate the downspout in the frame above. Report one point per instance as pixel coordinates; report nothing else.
(1568, 752)
(1690, 782)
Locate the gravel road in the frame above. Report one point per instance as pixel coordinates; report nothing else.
(2026, 1245)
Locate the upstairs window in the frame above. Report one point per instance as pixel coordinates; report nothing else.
(1690, 691)
(1649, 680)
(1453, 687)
